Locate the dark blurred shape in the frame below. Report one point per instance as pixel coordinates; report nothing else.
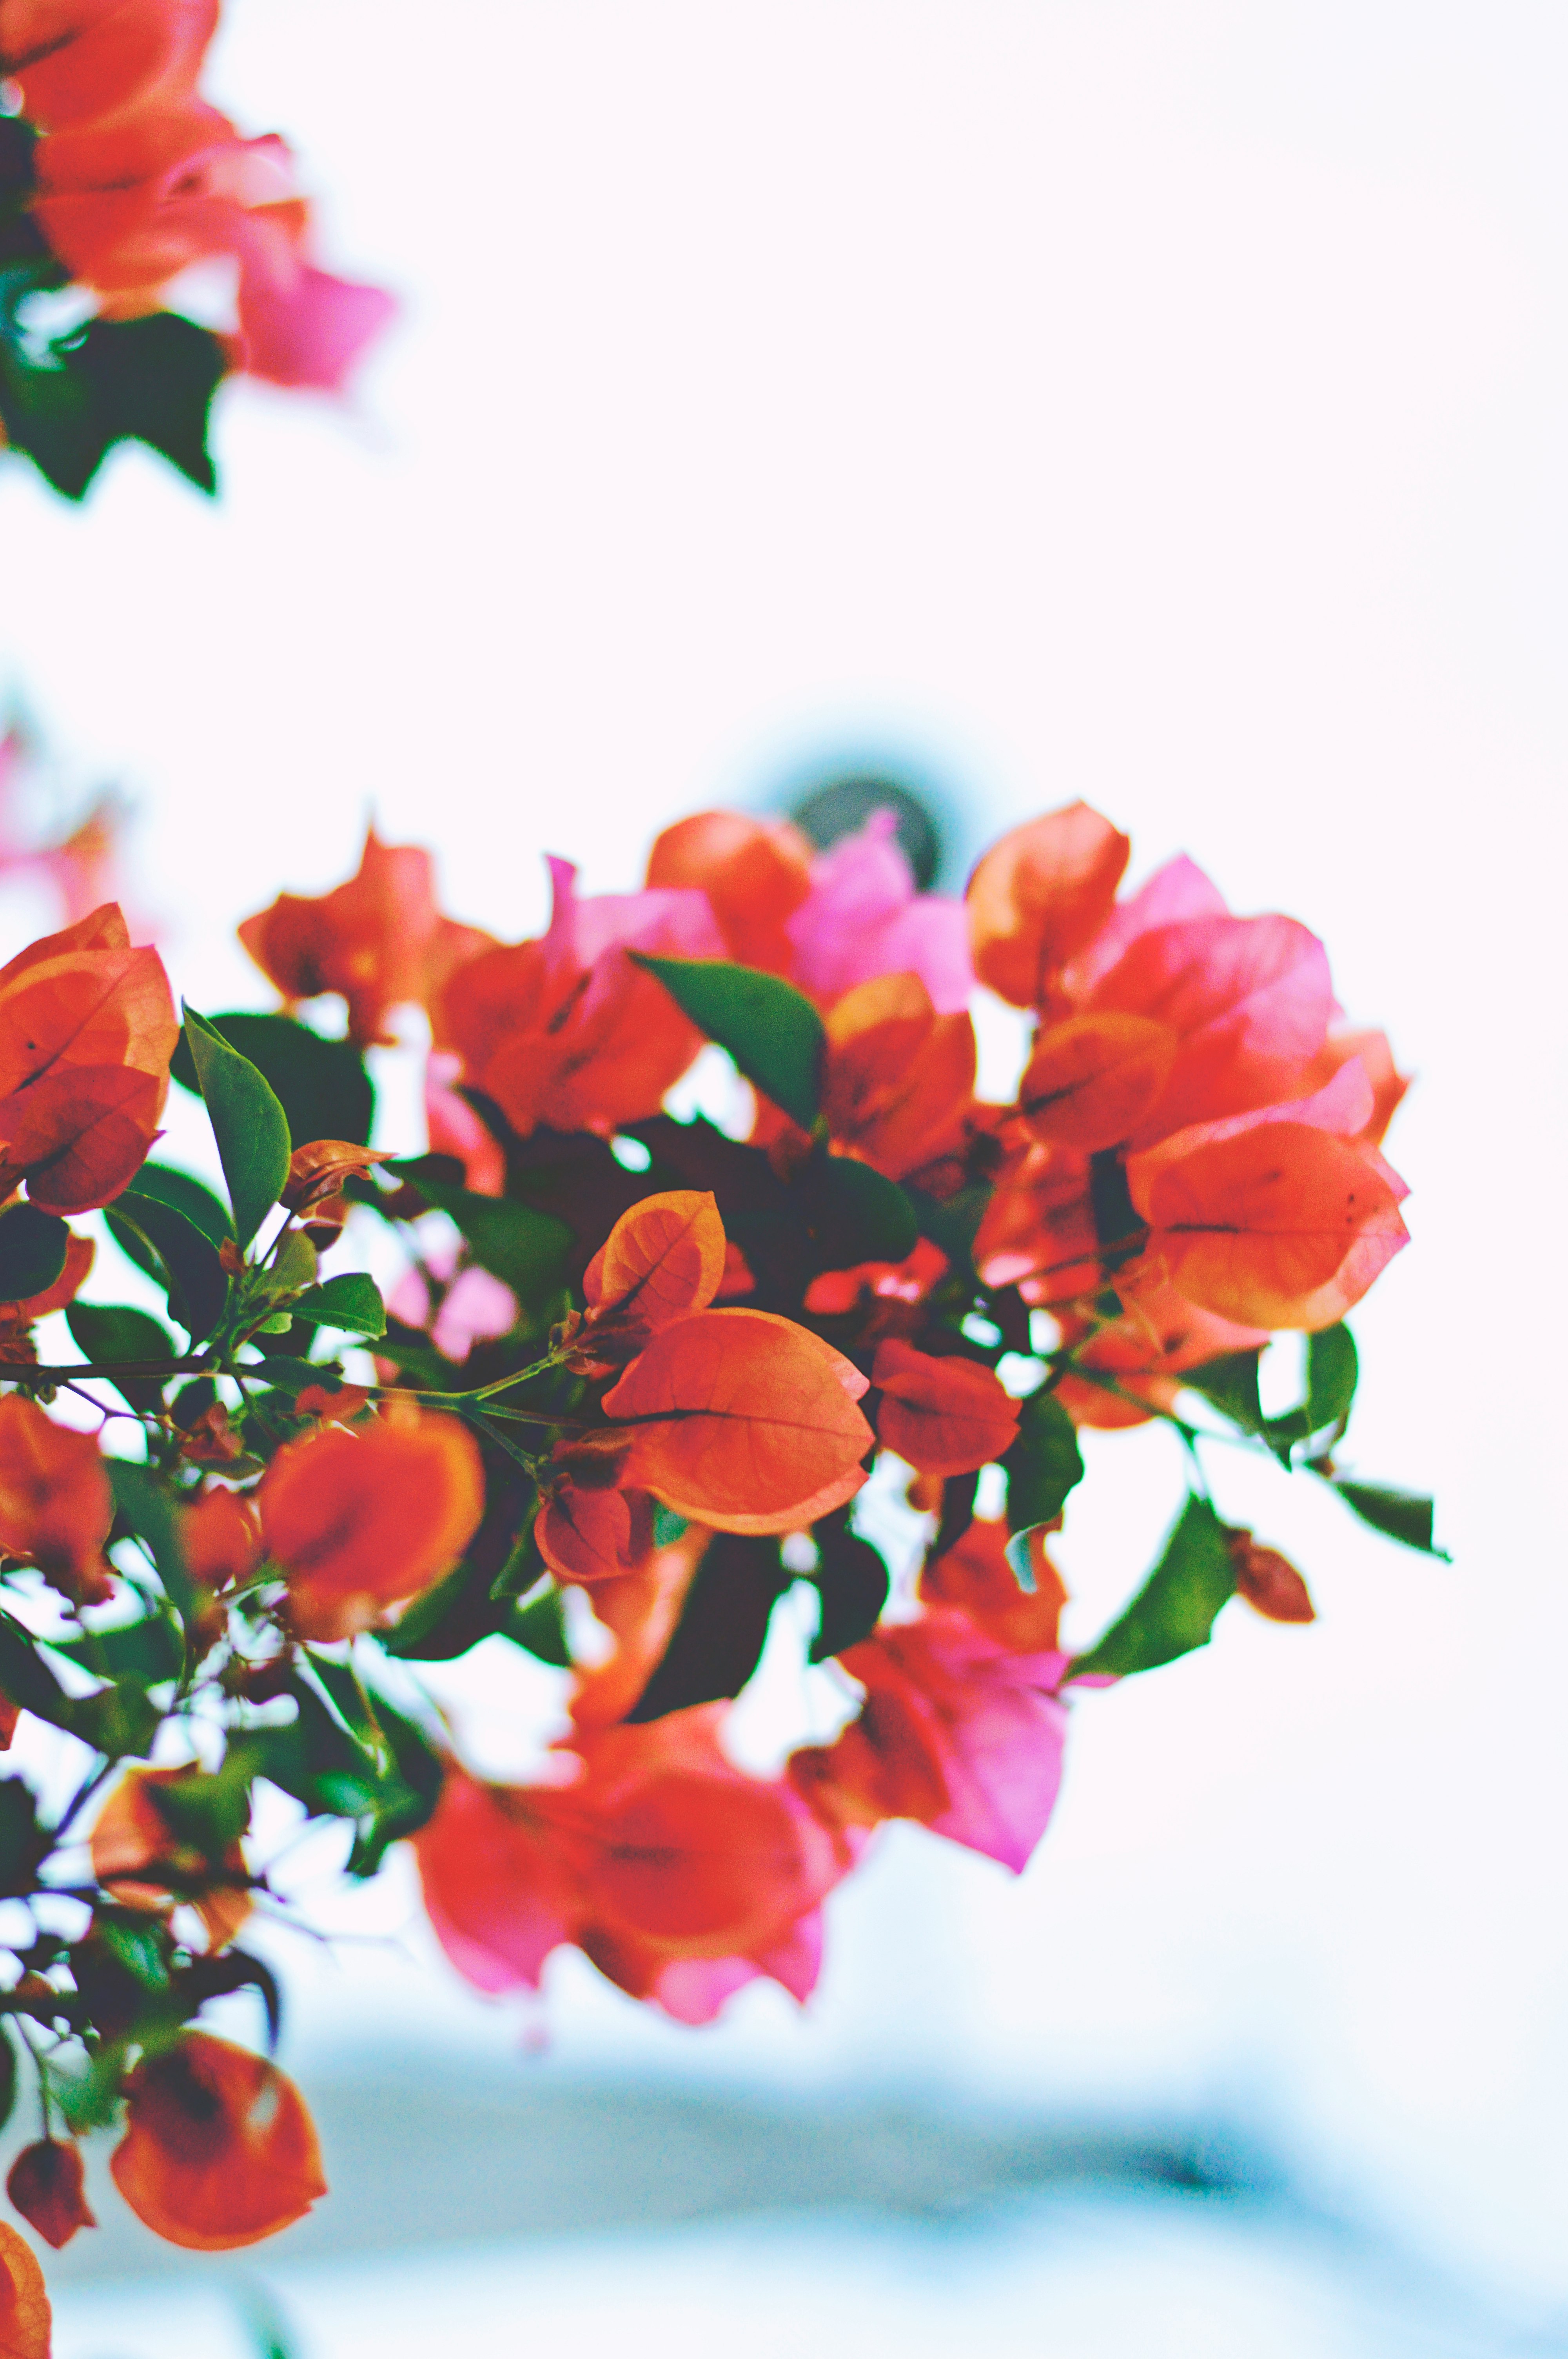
(841, 805)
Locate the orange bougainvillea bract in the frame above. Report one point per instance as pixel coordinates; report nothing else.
(27, 2321)
(680, 1410)
(219, 2151)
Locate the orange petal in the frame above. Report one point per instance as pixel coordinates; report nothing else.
(1038, 896)
(218, 2149)
(26, 2320)
(662, 1258)
(751, 1421)
(944, 1417)
(1093, 1078)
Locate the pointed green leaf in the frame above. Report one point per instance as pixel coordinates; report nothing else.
(718, 1640)
(175, 1253)
(855, 1214)
(32, 1251)
(145, 1508)
(248, 1123)
(1231, 1385)
(1042, 1465)
(321, 1085)
(1403, 1515)
(539, 1629)
(110, 1332)
(188, 1196)
(851, 1579)
(1174, 1611)
(771, 1029)
(351, 1302)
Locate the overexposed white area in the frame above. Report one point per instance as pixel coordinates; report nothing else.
(1163, 401)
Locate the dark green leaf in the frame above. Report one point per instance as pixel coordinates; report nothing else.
(667, 1526)
(1230, 1383)
(539, 1628)
(32, 1251)
(855, 1214)
(295, 1376)
(316, 1759)
(527, 1250)
(248, 1123)
(718, 1640)
(109, 1333)
(149, 1650)
(145, 1507)
(1401, 1514)
(26, 1677)
(471, 1602)
(22, 1843)
(7, 2077)
(1175, 1610)
(771, 1029)
(118, 1721)
(351, 1302)
(1331, 1374)
(175, 1254)
(852, 1582)
(1042, 1465)
(151, 379)
(136, 1946)
(321, 1085)
(184, 1193)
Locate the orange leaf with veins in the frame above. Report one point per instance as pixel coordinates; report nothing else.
(743, 1420)
(26, 2319)
(1038, 896)
(663, 1257)
(944, 1417)
(1093, 1078)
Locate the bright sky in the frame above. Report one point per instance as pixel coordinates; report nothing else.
(1157, 400)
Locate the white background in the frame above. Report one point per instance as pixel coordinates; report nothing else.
(1160, 403)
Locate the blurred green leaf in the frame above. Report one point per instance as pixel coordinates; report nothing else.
(718, 1640)
(855, 1214)
(1404, 1516)
(32, 1251)
(351, 1302)
(527, 1250)
(1042, 1465)
(67, 401)
(145, 1508)
(772, 1030)
(851, 1579)
(1174, 1611)
(540, 1629)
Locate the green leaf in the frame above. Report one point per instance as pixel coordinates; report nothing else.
(248, 1123)
(185, 1194)
(69, 402)
(136, 1947)
(718, 1640)
(540, 1628)
(853, 1582)
(1042, 1465)
(294, 1376)
(32, 1251)
(855, 1214)
(148, 1650)
(321, 1085)
(1174, 1611)
(1331, 1373)
(175, 1254)
(667, 1526)
(771, 1029)
(1403, 1515)
(7, 2077)
(527, 1250)
(145, 1507)
(118, 1721)
(1230, 1383)
(22, 1843)
(26, 1677)
(350, 1301)
(109, 1333)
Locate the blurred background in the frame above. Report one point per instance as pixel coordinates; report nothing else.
(1160, 401)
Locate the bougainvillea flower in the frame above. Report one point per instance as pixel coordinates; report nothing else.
(566, 1031)
(219, 2151)
(755, 873)
(663, 1257)
(221, 1536)
(955, 1730)
(130, 1836)
(370, 939)
(1249, 1000)
(640, 1611)
(974, 1578)
(1376, 1058)
(56, 1506)
(1268, 1580)
(85, 60)
(1038, 896)
(911, 1280)
(743, 1420)
(360, 1520)
(455, 1129)
(1173, 894)
(1038, 1232)
(863, 917)
(27, 2321)
(679, 1875)
(942, 1417)
(586, 1535)
(898, 1078)
(1281, 1218)
(46, 2184)
(1091, 1079)
(1143, 1351)
(87, 1029)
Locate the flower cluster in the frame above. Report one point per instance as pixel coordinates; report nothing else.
(641, 1363)
(116, 177)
